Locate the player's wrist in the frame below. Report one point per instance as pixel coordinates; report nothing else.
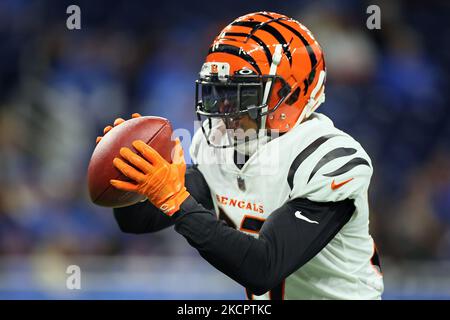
(187, 206)
(173, 204)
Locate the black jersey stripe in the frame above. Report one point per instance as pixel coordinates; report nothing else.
(238, 52)
(256, 39)
(348, 166)
(305, 154)
(255, 25)
(333, 154)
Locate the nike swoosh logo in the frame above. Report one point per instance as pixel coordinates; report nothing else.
(335, 185)
(302, 217)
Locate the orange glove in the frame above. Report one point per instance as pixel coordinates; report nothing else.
(116, 123)
(160, 181)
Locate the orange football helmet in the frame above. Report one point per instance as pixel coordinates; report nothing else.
(264, 65)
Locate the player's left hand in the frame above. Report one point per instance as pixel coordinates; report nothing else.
(160, 181)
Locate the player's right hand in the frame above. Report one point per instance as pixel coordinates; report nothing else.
(163, 183)
(115, 124)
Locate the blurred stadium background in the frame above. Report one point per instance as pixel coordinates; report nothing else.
(59, 88)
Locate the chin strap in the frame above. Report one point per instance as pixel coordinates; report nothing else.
(313, 103)
(276, 59)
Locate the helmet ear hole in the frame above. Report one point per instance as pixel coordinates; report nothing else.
(294, 97)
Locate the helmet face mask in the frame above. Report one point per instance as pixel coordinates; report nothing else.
(236, 99)
(228, 99)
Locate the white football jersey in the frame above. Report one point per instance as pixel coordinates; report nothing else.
(315, 161)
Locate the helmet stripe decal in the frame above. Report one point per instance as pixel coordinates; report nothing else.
(330, 156)
(256, 39)
(238, 52)
(305, 154)
(311, 53)
(273, 31)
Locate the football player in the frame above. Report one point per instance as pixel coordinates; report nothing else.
(276, 197)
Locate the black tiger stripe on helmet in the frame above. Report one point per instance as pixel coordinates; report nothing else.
(236, 51)
(256, 25)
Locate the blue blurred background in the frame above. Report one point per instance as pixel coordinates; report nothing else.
(60, 87)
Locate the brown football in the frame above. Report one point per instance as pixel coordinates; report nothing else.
(155, 131)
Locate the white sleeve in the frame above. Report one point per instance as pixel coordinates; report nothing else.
(330, 179)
